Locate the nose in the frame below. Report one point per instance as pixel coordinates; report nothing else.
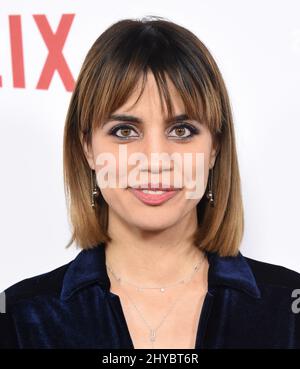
(158, 152)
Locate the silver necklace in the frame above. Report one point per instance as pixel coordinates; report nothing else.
(161, 289)
(152, 331)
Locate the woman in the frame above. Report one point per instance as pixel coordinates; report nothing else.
(158, 268)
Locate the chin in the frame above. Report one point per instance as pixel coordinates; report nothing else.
(157, 223)
(152, 227)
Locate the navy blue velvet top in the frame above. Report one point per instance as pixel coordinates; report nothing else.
(248, 305)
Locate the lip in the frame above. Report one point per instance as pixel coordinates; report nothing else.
(158, 186)
(151, 199)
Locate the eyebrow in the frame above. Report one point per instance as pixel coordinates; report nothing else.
(133, 119)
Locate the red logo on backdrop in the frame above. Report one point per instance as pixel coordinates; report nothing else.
(55, 60)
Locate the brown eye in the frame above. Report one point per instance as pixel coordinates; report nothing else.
(123, 132)
(184, 131)
(180, 131)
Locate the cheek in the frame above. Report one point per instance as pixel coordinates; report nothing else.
(106, 156)
(196, 177)
(200, 152)
(113, 197)
(103, 143)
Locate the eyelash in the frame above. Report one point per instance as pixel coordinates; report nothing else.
(194, 131)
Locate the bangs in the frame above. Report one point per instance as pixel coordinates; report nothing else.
(127, 59)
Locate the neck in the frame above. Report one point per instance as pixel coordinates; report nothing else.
(152, 258)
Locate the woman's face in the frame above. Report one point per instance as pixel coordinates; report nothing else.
(152, 135)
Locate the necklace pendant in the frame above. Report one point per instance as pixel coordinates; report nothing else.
(162, 290)
(152, 335)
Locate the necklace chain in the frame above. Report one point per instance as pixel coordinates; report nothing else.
(152, 332)
(162, 289)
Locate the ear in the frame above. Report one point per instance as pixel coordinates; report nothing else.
(88, 152)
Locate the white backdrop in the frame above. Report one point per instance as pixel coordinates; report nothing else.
(257, 47)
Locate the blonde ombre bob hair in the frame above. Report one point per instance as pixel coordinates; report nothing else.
(122, 54)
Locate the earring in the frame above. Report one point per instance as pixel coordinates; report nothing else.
(210, 194)
(95, 190)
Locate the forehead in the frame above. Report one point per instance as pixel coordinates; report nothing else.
(148, 98)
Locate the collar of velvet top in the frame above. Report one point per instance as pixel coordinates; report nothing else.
(89, 268)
